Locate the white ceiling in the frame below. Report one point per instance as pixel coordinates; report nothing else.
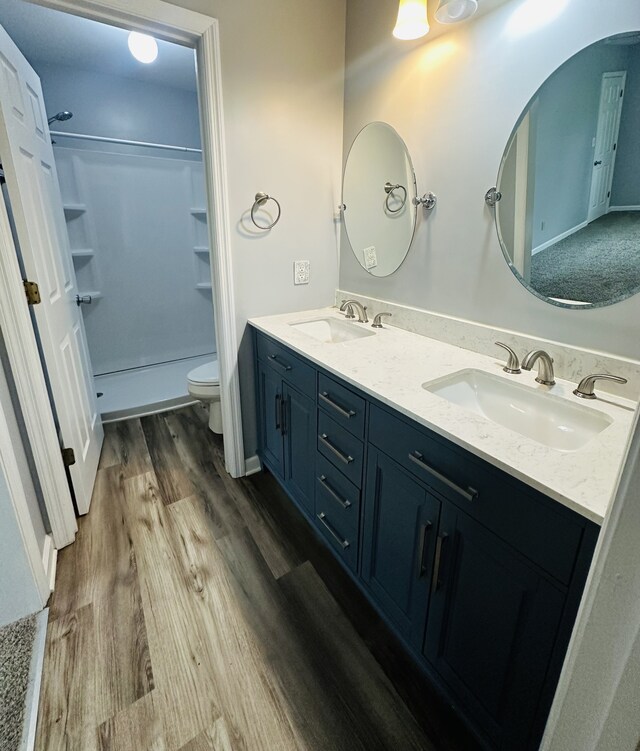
(50, 36)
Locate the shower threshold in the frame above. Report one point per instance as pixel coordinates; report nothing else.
(146, 390)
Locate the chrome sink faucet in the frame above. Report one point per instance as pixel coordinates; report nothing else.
(545, 366)
(360, 308)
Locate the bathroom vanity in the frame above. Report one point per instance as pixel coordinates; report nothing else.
(472, 542)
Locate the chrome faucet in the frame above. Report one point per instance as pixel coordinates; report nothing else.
(585, 388)
(545, 366)
(360, 308)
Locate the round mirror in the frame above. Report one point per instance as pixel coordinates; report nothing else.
(568, 218)
(378, 193)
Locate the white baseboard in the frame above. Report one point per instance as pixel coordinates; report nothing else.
(559, 237)
(35, 679)
(252, 465)
(49, 560)
(624, 208)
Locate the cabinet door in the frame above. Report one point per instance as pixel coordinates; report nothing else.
(300, 446)
(401, 520)
(491, 627)
(270, 418)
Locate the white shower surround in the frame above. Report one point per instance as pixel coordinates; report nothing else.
(138, 232)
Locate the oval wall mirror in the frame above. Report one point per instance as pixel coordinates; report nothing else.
(568, 219)
(378, 194)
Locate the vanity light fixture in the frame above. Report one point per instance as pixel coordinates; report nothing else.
(143, 47)
(412, 20)
(452, 11)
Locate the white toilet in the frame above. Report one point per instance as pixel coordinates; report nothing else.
(204, 385)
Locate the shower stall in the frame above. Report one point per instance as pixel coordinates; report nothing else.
(137, 224)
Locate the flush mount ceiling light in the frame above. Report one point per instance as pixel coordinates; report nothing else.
(143, 47)
(412, 20)
(452, 11)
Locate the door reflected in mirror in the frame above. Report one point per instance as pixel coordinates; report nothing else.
(378, 193)
(569, 216)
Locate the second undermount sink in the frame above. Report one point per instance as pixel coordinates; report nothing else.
(332, 330)
(541, 416)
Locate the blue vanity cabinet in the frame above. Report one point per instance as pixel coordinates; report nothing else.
(479, 574)
(287, 420)
(399, 541)
(491, 629)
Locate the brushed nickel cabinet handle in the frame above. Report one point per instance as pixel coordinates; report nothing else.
(342, 501)
(340, 454)
(348, 413)
(344, 544)
(283, 415)
(435, 582)
(275, 361)
(470, 494)
(424, 531)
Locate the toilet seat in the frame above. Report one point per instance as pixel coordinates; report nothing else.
(205, 375)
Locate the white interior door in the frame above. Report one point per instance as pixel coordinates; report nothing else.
(604, 157)
(27, 158)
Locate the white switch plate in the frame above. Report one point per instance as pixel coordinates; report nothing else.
(301, 272)
(370, 257)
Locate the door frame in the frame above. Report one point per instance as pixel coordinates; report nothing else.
(201, 33)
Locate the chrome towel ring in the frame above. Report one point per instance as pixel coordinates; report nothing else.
(389, 190)
(261, 199)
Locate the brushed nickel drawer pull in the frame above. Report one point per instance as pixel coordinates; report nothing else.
(275, 361)
(435, 582)
(469, 494)
(342, 501)
(344, 544)
(348, 413)
(341, 455)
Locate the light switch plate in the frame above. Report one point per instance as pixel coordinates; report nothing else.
(370, 257)
(301, 272)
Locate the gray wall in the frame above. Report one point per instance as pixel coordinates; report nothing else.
(566, 126)
(625, 190)
(455, 100)
(105, 105)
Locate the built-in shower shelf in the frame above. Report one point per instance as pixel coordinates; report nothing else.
(82, 253)
(198, 211)
(203, 285)
(74, 208)
(203, 251)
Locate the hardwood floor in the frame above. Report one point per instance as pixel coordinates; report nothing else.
(191, 615)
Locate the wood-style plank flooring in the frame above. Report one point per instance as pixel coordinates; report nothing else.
(191, 614)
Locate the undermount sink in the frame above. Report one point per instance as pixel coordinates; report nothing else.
(543, 417)
(332, 331)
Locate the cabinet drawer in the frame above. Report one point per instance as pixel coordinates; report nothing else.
(338, 523)
(341, 448)
(287, 365)
(539, 528)
(338, 498)
(345, 407)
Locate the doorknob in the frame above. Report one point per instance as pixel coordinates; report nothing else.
(595, 164)
(83, 300)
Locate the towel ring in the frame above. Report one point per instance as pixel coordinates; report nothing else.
(261, 199)
(388, 189)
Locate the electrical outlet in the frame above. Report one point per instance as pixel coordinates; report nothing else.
(301, 272)
(370, 257)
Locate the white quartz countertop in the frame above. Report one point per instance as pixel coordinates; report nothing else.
(392, 366)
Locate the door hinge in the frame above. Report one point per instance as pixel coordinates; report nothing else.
(68, 457)
(32, 292)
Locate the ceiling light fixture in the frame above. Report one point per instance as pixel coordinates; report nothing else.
(412, 20)
(452, 11)
(143, 47)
